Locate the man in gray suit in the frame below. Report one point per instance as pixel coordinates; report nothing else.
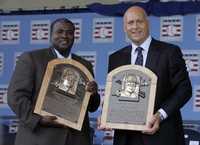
(26, 83)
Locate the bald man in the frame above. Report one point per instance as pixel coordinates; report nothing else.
(173, 87)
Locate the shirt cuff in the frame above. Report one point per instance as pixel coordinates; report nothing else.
(163, 113)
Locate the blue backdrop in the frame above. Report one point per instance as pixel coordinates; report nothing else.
(96, 37)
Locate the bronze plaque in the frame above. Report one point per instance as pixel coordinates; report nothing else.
(63, 94)
(129, 98)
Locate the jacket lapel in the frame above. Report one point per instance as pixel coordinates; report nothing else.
(126, 54)
(49, 55)
(152, 56)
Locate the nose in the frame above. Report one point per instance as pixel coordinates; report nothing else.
(135, 25)
(64, 34)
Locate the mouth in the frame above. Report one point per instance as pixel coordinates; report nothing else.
(136, 33)
(63, 41)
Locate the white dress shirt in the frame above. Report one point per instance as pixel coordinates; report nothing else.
(61, 56)
(145, 45)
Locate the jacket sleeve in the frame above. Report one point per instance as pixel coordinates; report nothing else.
(94, 101)
(21, 92)
(180, 85)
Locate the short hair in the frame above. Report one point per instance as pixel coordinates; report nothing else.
(61, 20)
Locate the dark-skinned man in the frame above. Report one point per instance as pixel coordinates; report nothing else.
(26, 83)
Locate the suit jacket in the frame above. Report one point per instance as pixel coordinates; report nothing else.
(173, 91)
(22, 94)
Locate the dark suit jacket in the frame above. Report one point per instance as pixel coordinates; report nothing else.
(22, 94)
(173, 91)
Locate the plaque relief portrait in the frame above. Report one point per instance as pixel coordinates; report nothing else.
(69, 81)
(130, 86)
(63, 92)
(129, 98)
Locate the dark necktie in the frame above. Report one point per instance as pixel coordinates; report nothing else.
(139, 59)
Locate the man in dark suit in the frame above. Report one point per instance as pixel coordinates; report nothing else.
(26, 83)
(173, 86)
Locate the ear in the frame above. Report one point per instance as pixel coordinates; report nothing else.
(124, 27)
(124, 24)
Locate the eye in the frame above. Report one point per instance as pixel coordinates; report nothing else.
(130, 22)
(69, 32)
(59, 31)
(140, 21)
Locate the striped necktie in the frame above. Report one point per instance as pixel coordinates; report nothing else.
(139, 59)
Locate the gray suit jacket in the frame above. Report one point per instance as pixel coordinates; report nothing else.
(22, 94)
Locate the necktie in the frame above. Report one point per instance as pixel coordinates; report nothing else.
(139, 59)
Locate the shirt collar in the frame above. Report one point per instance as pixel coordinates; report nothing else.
(145, 45)
(59, 55)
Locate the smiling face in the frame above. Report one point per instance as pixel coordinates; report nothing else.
(136, 25)
(62, 36)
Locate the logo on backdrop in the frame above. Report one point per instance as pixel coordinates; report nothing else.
(198, 27)
(3, 96)
(196, 104)
(77, 23)
(13, 125)
(192, 60)
(40, 31)
(10, 32)
(171, 28)
(103, 29)
(1, 63)
(108, 137)
(101, 91)
(89, 56)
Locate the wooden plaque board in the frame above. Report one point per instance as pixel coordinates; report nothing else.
(63, 94)
(129, 98)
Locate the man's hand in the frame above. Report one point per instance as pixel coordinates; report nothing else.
(100, 127)
(92, 87)
(50, 121)
(153, 125)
